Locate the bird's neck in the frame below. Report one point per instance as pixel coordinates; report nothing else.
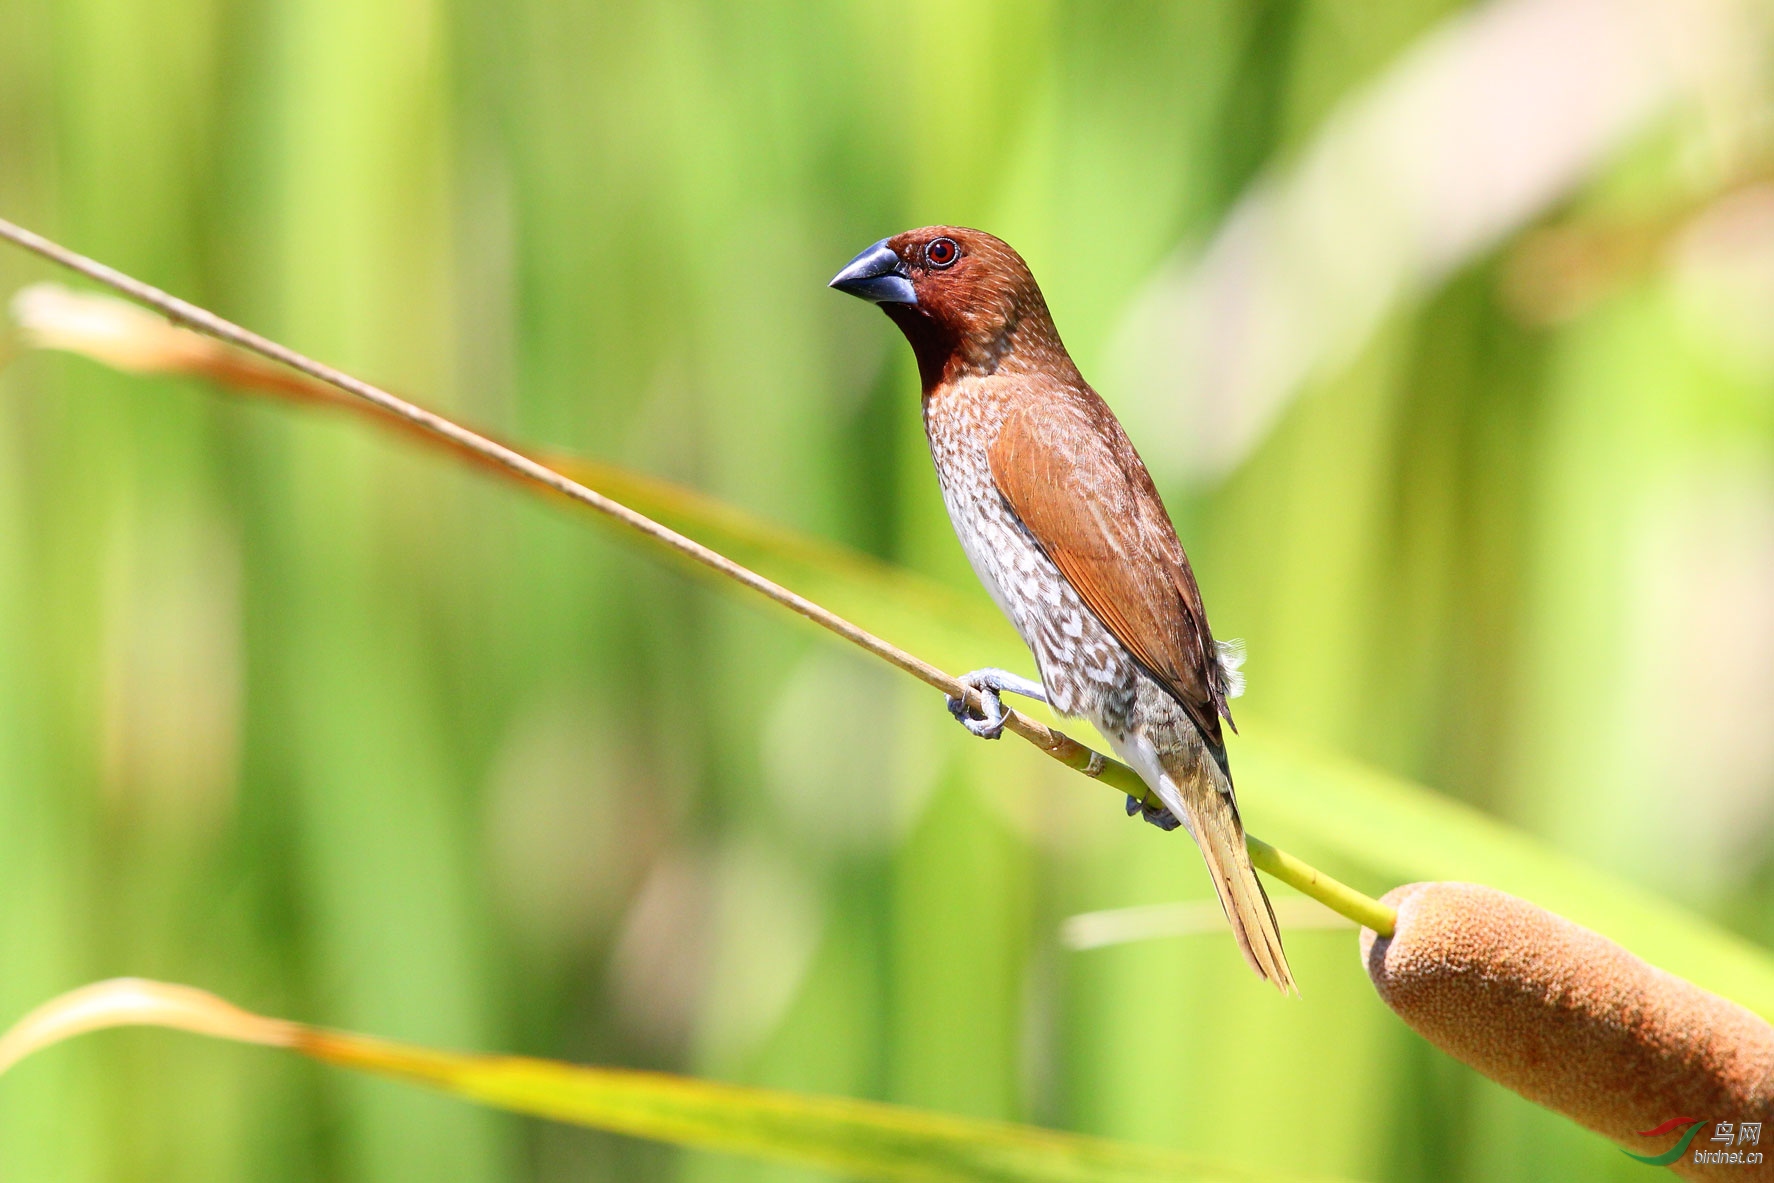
(1025, 344)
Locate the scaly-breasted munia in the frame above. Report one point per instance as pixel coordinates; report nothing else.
(1064, 527)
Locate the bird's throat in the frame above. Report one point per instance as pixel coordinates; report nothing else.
(936, 348)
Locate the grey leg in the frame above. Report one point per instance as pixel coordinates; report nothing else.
(1159, 816)
(990, 683)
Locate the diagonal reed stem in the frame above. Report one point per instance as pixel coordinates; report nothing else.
(508, 461)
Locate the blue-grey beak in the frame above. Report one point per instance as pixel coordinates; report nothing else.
(877, 275)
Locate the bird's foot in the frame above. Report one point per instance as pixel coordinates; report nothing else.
(1152, 815)
(989, 684)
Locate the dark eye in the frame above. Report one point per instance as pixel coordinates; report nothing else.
(942, 252)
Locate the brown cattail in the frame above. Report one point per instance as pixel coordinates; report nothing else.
(1573, 1022)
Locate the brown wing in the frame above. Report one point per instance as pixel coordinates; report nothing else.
(1073, 478)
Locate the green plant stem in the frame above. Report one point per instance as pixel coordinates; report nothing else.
(512, 463)
(1339, 897)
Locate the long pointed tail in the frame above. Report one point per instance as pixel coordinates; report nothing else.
(1213, 818)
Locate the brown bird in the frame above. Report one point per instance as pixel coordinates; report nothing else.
(1064, 527)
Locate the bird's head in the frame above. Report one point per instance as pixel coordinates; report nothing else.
(965, 300)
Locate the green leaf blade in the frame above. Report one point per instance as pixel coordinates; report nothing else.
(866, 1138)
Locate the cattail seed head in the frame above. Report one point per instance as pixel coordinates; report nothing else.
(1572, 1021)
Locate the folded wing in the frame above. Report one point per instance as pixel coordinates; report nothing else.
(1072, 476)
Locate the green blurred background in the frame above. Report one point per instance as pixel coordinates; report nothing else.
(1449, 333)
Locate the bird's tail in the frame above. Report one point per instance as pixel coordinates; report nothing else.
(1213, 819)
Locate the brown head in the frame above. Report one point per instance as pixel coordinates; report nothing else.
(966, 302)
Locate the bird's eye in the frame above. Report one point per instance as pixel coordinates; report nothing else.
(942, 252)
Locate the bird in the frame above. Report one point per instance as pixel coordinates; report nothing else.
(1062, 523)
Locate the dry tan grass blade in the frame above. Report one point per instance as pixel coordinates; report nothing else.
(132, 1002)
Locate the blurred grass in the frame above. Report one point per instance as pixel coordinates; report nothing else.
(606, 228)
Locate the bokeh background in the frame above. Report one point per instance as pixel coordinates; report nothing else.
(1448, 331)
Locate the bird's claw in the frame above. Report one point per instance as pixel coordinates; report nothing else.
(1154, 815)
(989, 683)
(987, 726)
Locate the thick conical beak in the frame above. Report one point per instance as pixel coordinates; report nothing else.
(877, 275)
